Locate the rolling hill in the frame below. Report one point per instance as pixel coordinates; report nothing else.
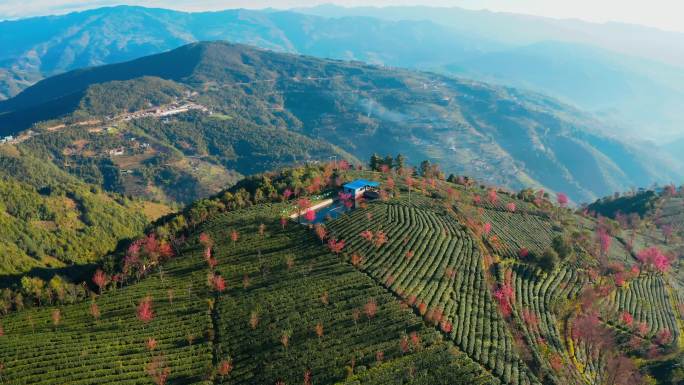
(521, 30)
(416, 288)
(603, 69)
(500, 135)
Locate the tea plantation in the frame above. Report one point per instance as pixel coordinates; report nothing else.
(425, 285)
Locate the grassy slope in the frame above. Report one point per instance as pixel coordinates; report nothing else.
(112, 350)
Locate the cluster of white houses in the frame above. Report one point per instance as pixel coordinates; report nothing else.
(160, 112)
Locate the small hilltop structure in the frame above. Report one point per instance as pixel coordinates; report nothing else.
(361, 187)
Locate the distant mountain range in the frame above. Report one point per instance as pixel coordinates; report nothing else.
(273, 108)
(519, 29)
(637, 83)
(51, 45)
(676, 148)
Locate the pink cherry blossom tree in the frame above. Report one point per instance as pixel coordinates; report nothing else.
(335, 246)
(144, 312)
(310, 215)
(100, 279)
(653, 257)
(562, 199)
(487, 228)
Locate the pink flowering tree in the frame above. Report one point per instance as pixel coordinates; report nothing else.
(100, 279)
(664, 337)
(492, 196)
(487, 228)
(380, 238)
(144, 312)
(562, 199)
(504, 295)
(303, 204)
(310, 215)
(335, 246)
(94, 310)
(218, 283)
(604, 241)
(321, 232)
(367, 235)
(654, 258)
(389, 184)
(347, 199)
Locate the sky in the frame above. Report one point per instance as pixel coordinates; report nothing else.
(663, 14)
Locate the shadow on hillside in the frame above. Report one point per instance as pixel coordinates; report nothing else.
(184, 380)
(75, 273)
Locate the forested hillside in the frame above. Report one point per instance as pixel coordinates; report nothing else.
(660, 212)
(52, 219)
(501, 135)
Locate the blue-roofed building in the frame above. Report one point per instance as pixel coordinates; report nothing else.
(358, 187)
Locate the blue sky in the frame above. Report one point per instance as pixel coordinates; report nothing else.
(664, 14)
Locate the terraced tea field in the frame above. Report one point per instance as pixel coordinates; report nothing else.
(648, 300)
(405, 290)
(519, 230)
(431, 261)
(82, 350)
(537, 298)
(286, 297)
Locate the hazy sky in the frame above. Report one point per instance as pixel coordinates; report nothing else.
(664, 14)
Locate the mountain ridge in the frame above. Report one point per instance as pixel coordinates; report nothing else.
(520, 138)
(526, 29)
(94, 37)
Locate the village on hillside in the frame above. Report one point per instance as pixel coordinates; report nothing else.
(175, 108)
